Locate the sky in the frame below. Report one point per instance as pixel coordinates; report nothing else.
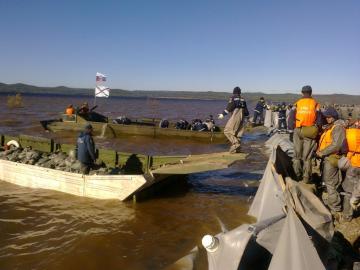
(191, 45)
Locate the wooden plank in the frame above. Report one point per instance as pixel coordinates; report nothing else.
(201, 163)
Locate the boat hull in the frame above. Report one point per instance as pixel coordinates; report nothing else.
(118, 187)
(117, 130)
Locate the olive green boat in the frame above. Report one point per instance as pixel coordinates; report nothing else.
(140, 127)
(134, 174)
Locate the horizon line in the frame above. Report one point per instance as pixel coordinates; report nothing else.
(276, 92)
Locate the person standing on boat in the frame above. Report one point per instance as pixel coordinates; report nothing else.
(234, 128)
(84, 109)
(85, 147)
(70, 110)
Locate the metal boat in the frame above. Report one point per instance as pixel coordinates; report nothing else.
(137, 172)
(139, 127)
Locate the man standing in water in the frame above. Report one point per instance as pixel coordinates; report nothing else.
(86, 149)
(234, 128)
(307, 118)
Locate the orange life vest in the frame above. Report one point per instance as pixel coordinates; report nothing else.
(353, 141)
(306, 112)
(70, 111)
(325, 139)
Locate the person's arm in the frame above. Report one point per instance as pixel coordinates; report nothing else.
(355, 197)
(259, 107)
(338, 136)
(292, 118)
(90, 146)
(356, 192)
(229, 108)
(246, 111)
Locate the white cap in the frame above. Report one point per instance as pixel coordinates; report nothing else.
(210, 243)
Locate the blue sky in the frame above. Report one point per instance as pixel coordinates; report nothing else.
(269, 46)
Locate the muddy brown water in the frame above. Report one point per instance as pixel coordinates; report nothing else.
(42, 229)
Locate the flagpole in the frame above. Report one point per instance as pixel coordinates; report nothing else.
(96, 83)
(95, 97)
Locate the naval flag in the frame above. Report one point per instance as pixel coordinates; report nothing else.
(102, 91)
(100, 77)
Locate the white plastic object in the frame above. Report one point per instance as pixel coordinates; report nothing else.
(210, 243)
(14, 143)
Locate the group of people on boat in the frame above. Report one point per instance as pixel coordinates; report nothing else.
(83, 109)
(196, 124)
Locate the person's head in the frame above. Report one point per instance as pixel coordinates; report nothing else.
(237, 90)
(306, 91)
(70, 106)
(262, 99)
(283, 104)
(85, 104)
(88, 128)
(331, 115)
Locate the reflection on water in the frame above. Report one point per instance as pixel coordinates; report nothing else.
(42, 229)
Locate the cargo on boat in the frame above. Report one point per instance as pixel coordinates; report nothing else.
(130, 173)
(141, 127)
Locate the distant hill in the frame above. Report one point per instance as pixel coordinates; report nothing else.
(251, 97)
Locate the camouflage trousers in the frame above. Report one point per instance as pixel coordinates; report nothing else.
(331, 176)
(304, 149)
(234, 129)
